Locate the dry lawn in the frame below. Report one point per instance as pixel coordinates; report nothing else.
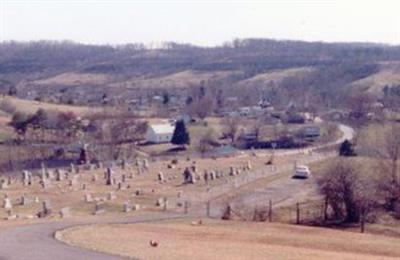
(12, 104)
(231, 240)
(181, 79)
(277, 76)
(74, 79)
(389, 74)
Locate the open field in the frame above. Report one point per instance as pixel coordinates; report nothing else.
(277, 76)
(74, 79)
(12, 104)
(374, 84)
(181, 79)
(230, 240)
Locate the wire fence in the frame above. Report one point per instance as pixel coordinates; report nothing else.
(312, 212)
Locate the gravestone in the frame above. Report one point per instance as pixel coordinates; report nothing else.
(26, 178)
(7, 203)
(232, 171)
(248, 166)
(72, 168)
(50, 174)
(145, 164)
(45, 183)
(73, 181)
(160, 202)
(46, 209)
(137, 161)
(65, 212)
(205, 176)
(88, 198)
(59, 175)
(99, 208)
(123, 164)
(212, 175)
(180, 193)
(99, 165)
(127, 207)
(160, 177)
(111, 195)
(3, 184)
(188, 176)
(109, 176)
(25, 200)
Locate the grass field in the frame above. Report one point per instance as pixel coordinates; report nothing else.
(11, 104)
(215, 239)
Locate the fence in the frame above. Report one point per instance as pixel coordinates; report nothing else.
(234, 182)
(299, 213)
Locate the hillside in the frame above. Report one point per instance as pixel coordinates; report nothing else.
(67, 70)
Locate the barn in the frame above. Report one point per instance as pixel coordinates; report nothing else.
(160, 133)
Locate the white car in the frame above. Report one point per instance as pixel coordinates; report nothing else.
(301, 172)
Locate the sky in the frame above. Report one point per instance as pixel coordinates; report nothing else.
(206, 23)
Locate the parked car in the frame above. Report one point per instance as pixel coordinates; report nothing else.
(301, 172)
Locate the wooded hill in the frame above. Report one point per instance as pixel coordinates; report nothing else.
(326, 70)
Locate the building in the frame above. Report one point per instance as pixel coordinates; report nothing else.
(310, 132)
(160, 133)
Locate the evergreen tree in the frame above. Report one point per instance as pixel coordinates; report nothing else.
(181, 135)
(346, 149)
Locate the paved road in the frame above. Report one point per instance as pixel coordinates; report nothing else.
(36, 242)
(286, 189)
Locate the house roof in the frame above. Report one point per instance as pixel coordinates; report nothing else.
(162, 128)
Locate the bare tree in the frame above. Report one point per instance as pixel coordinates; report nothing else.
(231, 127)
(207, 141)
(349, 191)
(383, 143)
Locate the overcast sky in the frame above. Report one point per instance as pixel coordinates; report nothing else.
(199, 22)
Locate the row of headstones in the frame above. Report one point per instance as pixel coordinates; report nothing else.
(23, 201)
(60, 174)
(46, 180)
(190, 175)
(65, 211)
(126, 207)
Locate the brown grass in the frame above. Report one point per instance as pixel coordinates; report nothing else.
(231, 240)
(12, 104)
(72, 79)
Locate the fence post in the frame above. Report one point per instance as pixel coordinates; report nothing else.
(186, 207)
(208, 208)
(326, 209)
(362, 222)
(165, 203)
(270, 211)
(297, 213)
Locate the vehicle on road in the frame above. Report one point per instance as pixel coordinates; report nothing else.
(301, 172)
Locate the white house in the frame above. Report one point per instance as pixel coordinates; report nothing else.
(160, 133)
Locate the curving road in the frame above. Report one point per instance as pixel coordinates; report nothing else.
(37, 242)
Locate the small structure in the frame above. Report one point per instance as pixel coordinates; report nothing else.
(310, 133)
(161, 133)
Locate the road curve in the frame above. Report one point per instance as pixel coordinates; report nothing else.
(37, 242)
